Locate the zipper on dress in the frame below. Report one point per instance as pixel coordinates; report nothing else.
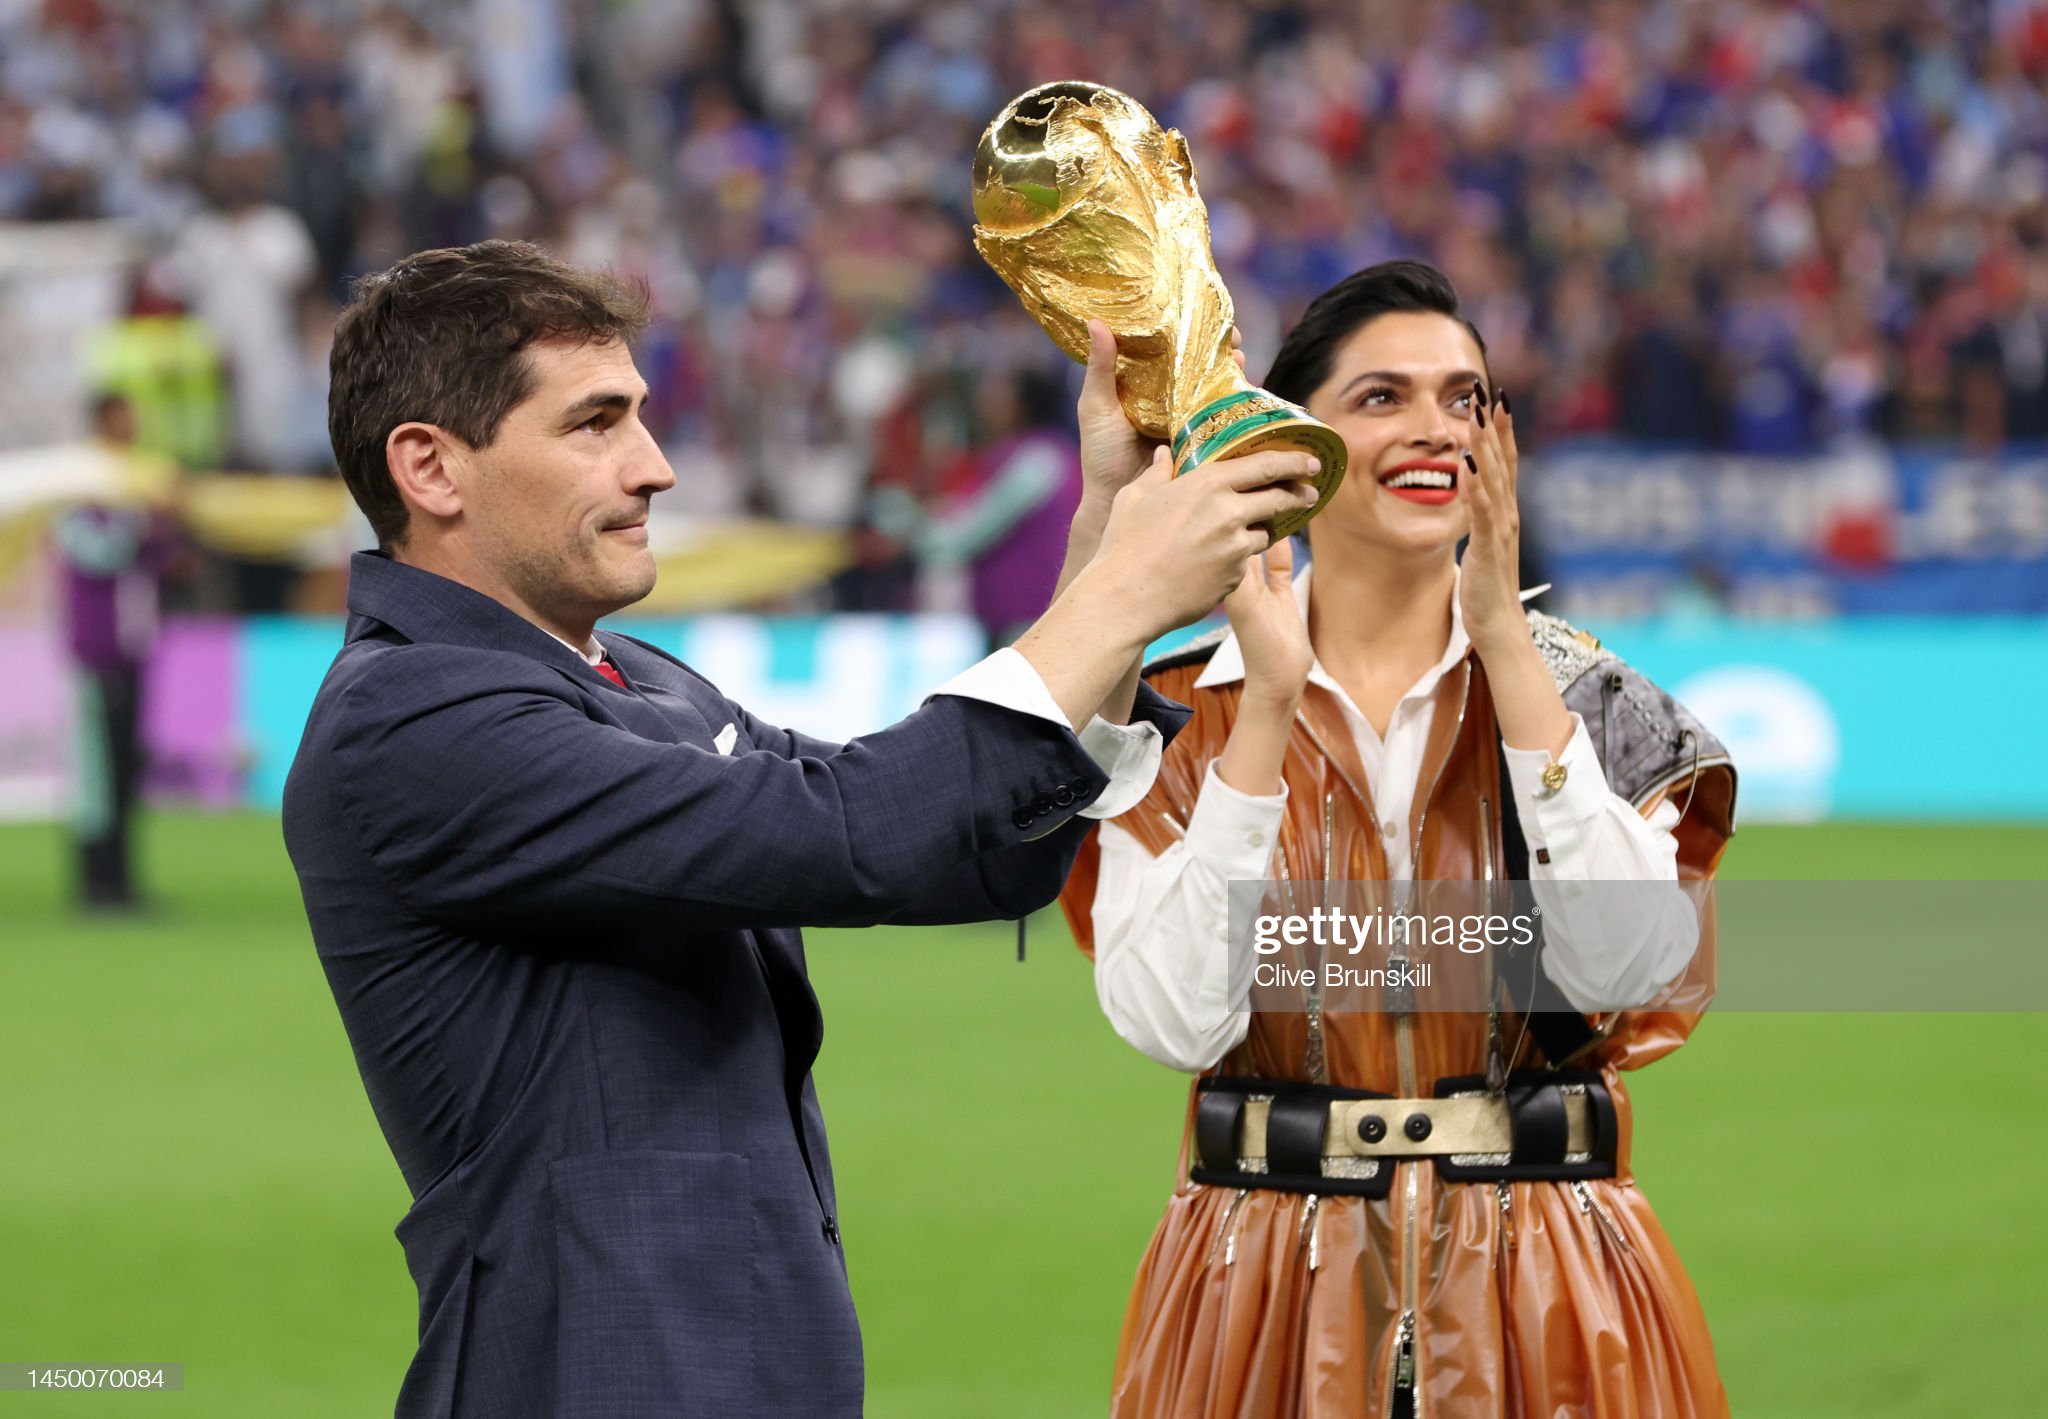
(1401, 1382)
(1337, 767)
(1422, 810)
(1317, 1061)
(1496, 1064)
(1486, 842)
(1311, 1237)
(1606, 1224)
(1403, 1388)
(1404, 1037)
(1227, 1240)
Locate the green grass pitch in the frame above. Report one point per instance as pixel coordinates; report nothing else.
(189, 1170)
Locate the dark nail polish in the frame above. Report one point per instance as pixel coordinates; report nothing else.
(1479, 413)
(1469, 462)
(1505, 407)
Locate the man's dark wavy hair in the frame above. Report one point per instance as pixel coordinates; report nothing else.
(1392, 286)
(440, 339)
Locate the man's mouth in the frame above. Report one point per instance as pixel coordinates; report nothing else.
(1431, 482)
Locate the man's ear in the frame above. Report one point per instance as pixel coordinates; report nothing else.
(420, 457)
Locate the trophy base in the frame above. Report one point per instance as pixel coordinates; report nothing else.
(1250, 421)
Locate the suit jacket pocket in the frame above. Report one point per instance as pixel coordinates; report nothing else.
(655, 1284)
(437, 1252)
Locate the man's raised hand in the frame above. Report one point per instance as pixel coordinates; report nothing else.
(1175, 547)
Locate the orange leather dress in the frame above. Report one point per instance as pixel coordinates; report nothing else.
(1548, 1299)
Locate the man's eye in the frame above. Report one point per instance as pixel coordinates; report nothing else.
(595, 423)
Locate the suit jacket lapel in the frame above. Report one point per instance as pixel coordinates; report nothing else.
(658, 692)
(652, 713)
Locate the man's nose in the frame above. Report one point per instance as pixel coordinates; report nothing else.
(649, 472)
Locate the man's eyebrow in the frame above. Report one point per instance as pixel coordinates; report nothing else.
(601, 402)
(1401, 381)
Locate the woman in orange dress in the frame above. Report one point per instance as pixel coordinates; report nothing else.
(1409, 720)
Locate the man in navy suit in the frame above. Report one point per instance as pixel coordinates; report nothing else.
(556, 878)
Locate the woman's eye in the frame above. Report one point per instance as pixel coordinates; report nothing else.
(1376, 396)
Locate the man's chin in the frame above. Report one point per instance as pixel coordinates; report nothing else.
(640, 585)
(628, 591)
(616, 587)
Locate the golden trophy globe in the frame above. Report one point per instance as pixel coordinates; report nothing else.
(1089, 210)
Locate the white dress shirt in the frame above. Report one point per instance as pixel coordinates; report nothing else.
(1128, 753)
(1162, 958)
(593, 654)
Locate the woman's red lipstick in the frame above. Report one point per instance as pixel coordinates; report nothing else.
(1432, 481)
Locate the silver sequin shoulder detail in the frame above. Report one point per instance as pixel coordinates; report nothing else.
(1568, 651)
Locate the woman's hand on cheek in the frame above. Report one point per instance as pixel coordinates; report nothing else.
(1489, 587)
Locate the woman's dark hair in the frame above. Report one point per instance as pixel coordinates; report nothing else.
(1304, 359)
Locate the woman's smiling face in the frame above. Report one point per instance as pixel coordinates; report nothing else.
(1401, 392)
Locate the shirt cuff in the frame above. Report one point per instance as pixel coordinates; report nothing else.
(1552, 818)
(1009, 681)
(1232, 833)
(1128, 753)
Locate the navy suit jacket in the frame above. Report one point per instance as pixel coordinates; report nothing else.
(562, 930)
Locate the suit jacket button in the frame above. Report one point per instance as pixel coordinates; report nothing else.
(1042, 803)
(1023, 818)
(1079, 785)
(1063, 797)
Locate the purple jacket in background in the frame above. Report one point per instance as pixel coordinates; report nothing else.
(109, 560)
(1014, 576)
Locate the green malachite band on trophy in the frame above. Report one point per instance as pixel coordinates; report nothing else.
(1209, 410)
(1231, 432)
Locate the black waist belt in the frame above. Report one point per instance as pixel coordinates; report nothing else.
(1545, 1125)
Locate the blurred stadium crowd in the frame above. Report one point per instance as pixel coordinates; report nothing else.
(1762, 226)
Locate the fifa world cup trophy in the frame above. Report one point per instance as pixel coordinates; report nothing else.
(1088, 209)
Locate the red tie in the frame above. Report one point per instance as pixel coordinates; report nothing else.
(610, 672)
